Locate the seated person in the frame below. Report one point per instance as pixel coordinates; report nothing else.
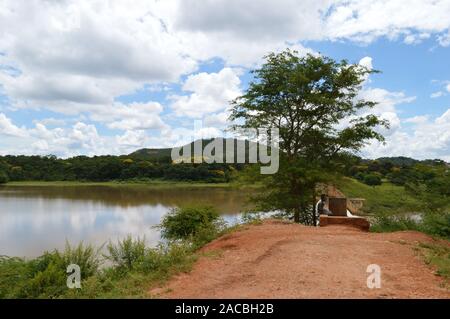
(322, 207)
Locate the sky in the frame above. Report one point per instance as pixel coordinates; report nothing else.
(108, 77)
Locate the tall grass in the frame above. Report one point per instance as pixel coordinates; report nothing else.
(45, 276)
(435, 224)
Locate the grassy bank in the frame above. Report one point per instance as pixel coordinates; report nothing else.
(437, 255)
(382, 199)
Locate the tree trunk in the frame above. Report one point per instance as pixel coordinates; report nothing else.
(297, 215)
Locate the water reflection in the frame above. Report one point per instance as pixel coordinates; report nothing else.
(34, 219)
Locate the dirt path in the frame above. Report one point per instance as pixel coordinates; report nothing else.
(277, 260)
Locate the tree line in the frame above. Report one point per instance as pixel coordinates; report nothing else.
(109, 168)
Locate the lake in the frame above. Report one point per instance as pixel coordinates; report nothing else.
(38, 218)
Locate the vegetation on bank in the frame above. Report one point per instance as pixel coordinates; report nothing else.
(434, 224)
(437, 255)
(128, 183)
(110, 168)
(386, 198)
(128, 268)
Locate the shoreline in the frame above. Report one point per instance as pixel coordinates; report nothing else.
(149, 184)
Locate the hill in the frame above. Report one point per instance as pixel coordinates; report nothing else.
(162, 154)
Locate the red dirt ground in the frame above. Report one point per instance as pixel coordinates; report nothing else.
(280, 260)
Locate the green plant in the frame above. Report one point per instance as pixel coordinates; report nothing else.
(45, 276)
(372, 180)
(127, 253)
(13, 276)
(3, 178)
(191, 223)
(389, 223)
(437, 224)
(438, 255)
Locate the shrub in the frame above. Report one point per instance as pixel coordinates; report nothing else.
(165, 258)
(198, 224)
(386, 223)
(3, 178)
(87, 257)
(437, 224)
(45, 276)
(372, 180)
(127, 253)
(13, 276)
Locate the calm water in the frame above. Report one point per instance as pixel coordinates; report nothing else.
(35, 219)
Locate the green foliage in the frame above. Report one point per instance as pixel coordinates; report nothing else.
(3, 177)
(438, 255)
(383, 199)
(305, 98)
(45, 276)
(126, 253)
(199, 224)
(432, 223)
(437, 224)
(389, 223)
(110, 168)
(372, 180)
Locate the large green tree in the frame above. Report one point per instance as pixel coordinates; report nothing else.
(313, 102)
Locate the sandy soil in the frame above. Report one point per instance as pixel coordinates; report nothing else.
(279, 260)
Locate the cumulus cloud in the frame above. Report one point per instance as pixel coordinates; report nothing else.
(133, 116)
(8, 128)
(436, 94)
(429, 138)
(211, 92)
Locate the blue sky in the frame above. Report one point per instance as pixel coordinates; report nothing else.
(106, 77)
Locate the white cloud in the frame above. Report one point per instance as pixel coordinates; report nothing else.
(211, 92)
(107, 50)
(429, 139)
(366, 62)
(132, 139)
(444, 39)
(419, 119)
(133, 116)
(367, 20)
(436, 94)
(8, 128)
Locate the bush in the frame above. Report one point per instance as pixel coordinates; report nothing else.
(372, 180)
(127, 253)
(198, 224)
(45, 276)
(164, 258)
(3, 177)
(13, 276)
(386, 223)
(437, 224)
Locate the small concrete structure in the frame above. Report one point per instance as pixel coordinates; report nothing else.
(342, 210)
(358, 222)
(338, 206)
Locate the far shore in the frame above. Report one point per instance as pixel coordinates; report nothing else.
(149, 184)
